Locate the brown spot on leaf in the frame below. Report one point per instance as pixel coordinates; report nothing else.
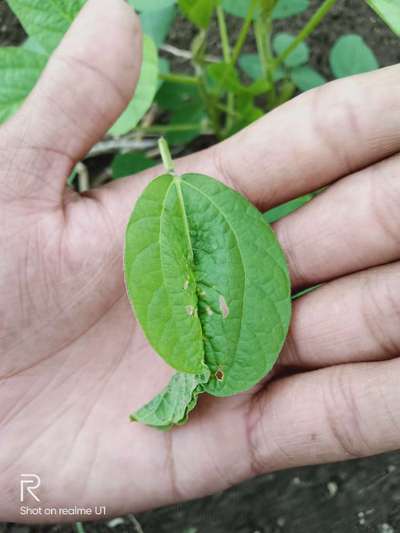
(219, 375)
(223, 307)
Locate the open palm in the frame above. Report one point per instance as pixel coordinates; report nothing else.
(74, 362)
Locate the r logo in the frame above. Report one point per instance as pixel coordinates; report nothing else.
(28, 484)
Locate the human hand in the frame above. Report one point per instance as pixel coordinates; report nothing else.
(74, 363)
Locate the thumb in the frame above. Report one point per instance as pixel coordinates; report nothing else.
(86, 85)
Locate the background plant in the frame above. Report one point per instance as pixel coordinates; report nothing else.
(215, 94)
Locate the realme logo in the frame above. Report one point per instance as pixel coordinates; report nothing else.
(28, 485)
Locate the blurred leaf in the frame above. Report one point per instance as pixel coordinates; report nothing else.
(299, 56)
(172, 96)
(389, 11)
(285, 209)
(145, 90)
(46, 20)
(288, 8)
(157, 24)
(225, 78)
(151, 5)
(306, 78)
(282, 10)
(19, 71)
(186, 115)
(351, 55)
(251, 65)
(198, 11)
(127, 164)
(249, 112)
(33, 46)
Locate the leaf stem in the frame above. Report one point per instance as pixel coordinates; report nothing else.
(314, 21)
(166, 156)
(179, 78)
(244, 31)
(223, 32)
(178, 181)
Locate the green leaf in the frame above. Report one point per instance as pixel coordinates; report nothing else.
(19, 71)
(224, 77)
(151, 5)
(285, 209)
(172, 96)
(288, 8)
(282, 10)
(186, 115)
(173, 405)
(198, 11)
(251, 65)
(145, 91)
(127, 164)
(389, 11)
(207, 280)
(306, 78)
(299, 56)
(351, 55)
(157, 24)
(46, 20)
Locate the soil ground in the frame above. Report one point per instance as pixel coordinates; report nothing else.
(361, 496)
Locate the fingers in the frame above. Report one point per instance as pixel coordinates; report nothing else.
(352, 226)
(299, 147)
(88, 82)
(353, 319)
(315, 139)
(324, 416)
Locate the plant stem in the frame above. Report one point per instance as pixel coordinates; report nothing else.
(179, 78)
(167, 128)
(166, 156)
(244, 31)
(314, 21)
(223, 32)
(263, 30)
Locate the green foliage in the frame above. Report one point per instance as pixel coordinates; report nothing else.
(173, 405)
(198, 11)
(283, 8)
(251, 65)
(275, 214)
(150, 5)
(19, 70)
(298, 57)
(145, 91)
(306, 78)
(198, 258)
(389, 11)
(127, 164)
(46, 21)
(350, 55)
(156, 24)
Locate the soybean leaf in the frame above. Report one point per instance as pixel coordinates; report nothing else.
(145, 91)
(198, 11)
(173, 405)
(389, 11)
(251, 65)
(157, 24)
(151, 5)
(249, 112)
(299, 56)
(181, 117)
(19, 71)
(283, 8)
(288, 8)
(33, 46)
(351, 55)
(172, 96)
(306, 78)
(285, 209)
(207, 280)
(224, 77)
(126, 164)
(46, 20)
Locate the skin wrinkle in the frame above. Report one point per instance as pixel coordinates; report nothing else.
(343, 416)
